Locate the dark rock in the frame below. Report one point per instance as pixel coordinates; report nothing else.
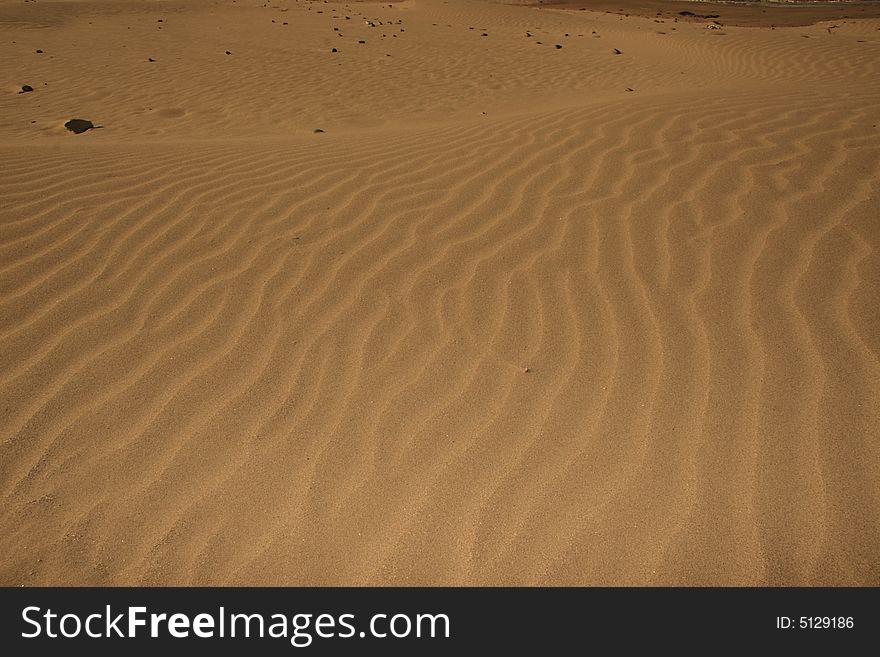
(26, 88)
(617, 52)
(78, 126)
(558, 46)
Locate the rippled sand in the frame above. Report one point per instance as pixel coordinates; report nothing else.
(520, 314)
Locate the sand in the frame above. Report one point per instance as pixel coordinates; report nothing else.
(520, 314)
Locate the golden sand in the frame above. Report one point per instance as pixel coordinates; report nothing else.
(520, 314)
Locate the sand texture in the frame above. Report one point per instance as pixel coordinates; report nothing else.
(516, 314)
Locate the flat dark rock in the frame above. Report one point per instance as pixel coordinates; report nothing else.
(25, 88)
(78, 126)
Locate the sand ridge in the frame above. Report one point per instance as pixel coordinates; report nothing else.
(519, 315)
(745, 13)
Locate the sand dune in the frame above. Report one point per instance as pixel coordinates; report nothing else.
(519, 315)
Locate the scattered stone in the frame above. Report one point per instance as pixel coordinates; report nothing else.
(558, 46)
(334, 50)
(317, 130)
(150, 59)
(39, 52)
(78, 126)
(361, 41)
(617, 52)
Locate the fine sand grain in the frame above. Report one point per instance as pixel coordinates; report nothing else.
(447, 305)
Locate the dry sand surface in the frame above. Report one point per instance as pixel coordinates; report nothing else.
(520, 314)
